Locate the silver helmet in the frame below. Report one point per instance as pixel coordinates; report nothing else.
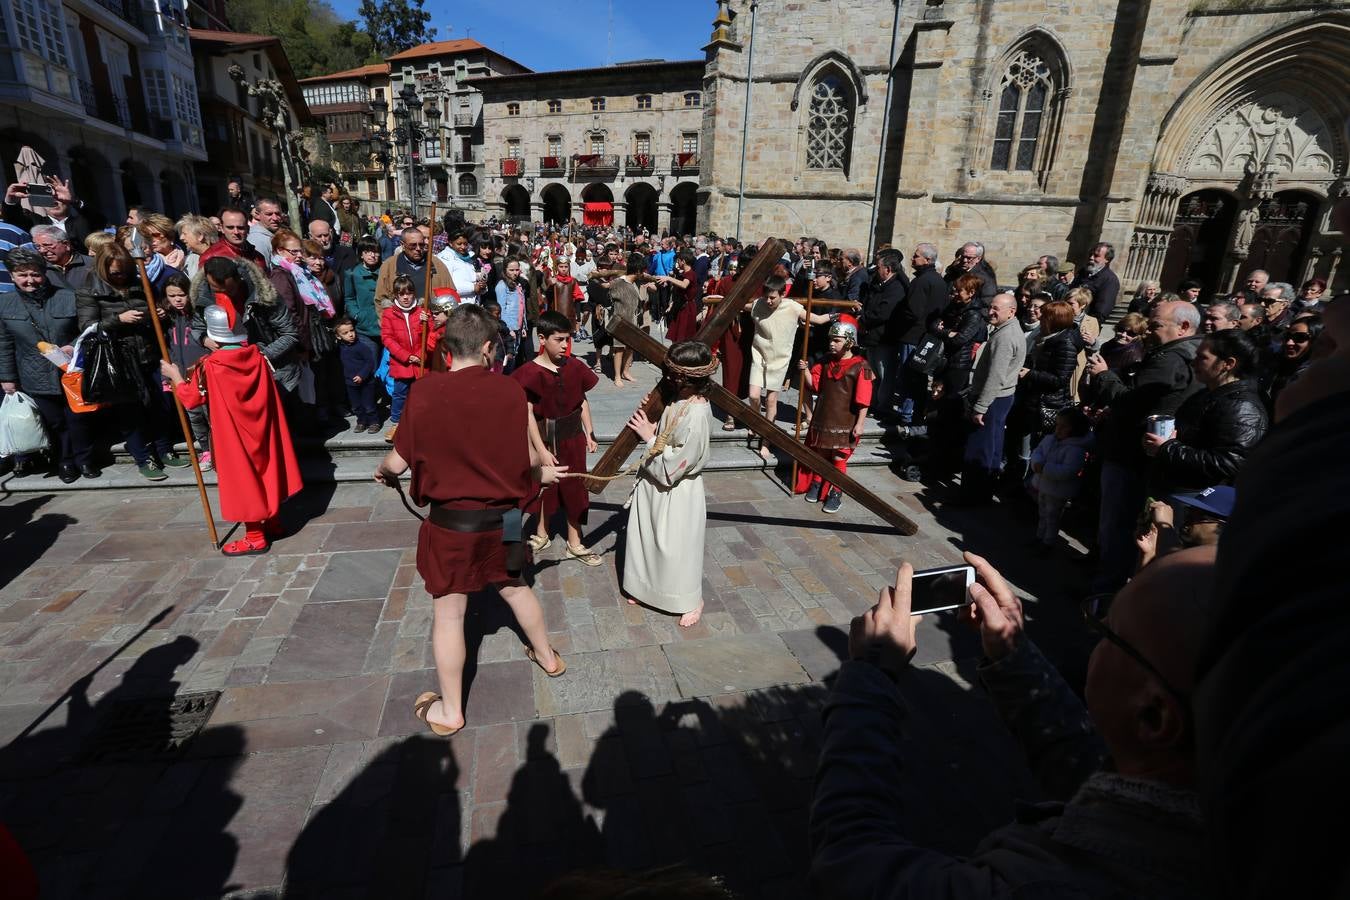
(218, 326)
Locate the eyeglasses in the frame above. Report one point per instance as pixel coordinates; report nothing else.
(1097, 624)
(1298, 337)
(292, 250)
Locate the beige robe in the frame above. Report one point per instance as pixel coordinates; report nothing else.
(663, 561)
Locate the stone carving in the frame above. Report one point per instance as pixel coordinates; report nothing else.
(1246, 230)
(1279, 133)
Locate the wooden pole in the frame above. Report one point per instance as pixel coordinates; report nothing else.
(426, 295)
(801, 382)
(138, 255)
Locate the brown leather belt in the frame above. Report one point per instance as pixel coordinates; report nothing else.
(476, 521)
(560, 429)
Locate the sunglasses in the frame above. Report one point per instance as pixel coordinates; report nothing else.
(1098, 624)
(1298, 337)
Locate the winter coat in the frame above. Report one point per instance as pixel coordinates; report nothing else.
(1049, 380)
(1283, 373)
(359, 358)
(882, 318)
(267, 321)
(928, 295)
(358, 290)
(1062, 465)
(1112, 837)
(998, 365)
(102, 303)
(1215, 432)
(981, 270)
(967, 320)
(384, 282)
(1105, 287)
(46, 314)
(184, 350)
(1156, 386)
(283, 283)
(402, 333)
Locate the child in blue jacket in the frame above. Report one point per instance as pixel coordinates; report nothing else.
(1058, 463)
(359, 356)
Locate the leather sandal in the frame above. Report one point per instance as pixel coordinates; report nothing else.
(584, 555)
(562, 666)
(538, 542)
(420, 708)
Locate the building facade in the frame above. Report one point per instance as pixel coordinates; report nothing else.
(343, 103)
(619, 143)
(239, 143)
(448, 165)
(1202, 138)
(104, 91)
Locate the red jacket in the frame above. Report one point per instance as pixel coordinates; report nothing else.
(402, 334)
(224, 248)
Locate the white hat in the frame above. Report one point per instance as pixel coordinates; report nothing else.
(218, 326)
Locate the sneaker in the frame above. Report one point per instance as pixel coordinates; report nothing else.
(174, 461)
(813, 495)
(205, 461)
(389, 435)
(151, 472)
(833, 501)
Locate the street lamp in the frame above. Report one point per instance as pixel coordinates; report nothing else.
(274, 112)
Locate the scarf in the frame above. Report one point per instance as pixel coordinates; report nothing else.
(154, 267)
(311, 288)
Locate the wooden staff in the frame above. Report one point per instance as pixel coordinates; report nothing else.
(426, 295)
(806, 336)
(138, 254)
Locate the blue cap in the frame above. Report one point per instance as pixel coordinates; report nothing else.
(1217, 500)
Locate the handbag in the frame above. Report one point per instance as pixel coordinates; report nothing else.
(72, 384)
(929, 357)
(111, 374)
(321, 340)
(21, 428)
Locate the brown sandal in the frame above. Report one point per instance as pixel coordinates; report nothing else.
(562, 666)
(420, 708)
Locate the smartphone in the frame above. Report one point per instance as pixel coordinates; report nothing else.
(40, 196)
(937, 590)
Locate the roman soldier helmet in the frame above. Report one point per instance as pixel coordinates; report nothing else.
(845, 327)
(219, 329)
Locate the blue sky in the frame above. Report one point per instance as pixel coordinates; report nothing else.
(572, 35)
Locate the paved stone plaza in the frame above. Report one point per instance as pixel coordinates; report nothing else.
(313, 778)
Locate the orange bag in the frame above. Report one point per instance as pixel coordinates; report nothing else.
(71, 383)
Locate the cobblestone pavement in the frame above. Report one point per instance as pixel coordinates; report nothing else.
(313, 778)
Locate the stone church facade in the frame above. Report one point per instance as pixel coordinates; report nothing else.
(1201, 138)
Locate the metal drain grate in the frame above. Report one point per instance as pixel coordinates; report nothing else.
(152, 728)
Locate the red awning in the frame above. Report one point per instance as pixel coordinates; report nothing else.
(598, 214)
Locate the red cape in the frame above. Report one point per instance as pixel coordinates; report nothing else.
(250, 443)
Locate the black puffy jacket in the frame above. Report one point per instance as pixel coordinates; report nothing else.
(1155, 386)
(1050, 366)
(1215, 432)
(46, 314)
(967, 321)
(102, 303)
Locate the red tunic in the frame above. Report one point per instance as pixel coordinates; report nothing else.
(250, 443)
(554, 395)
(734, 345)
(463, 434)
(685, 324)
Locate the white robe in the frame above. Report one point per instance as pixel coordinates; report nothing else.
(663, 561)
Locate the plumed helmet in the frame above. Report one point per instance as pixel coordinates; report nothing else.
(443, 301)
(845, 327)
(218, 326)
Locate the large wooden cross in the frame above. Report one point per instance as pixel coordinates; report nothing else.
(653, 404)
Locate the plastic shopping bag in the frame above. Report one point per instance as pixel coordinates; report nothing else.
(21, 428)
(111, 374)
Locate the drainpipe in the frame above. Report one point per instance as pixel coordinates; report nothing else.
(745, 122)
(885, 132)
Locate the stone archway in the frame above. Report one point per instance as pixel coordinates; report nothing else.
(557, 204)
(1199, 239)
(517, 203)
(1260, 126)
(641, 199)
(683, 207)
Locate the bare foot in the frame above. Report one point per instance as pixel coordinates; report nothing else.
(765, 454)
(691, 618)
(618, 383)
(438, 714)
(632, 602)
(628, 377)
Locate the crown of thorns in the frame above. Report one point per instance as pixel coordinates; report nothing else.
(692, 371)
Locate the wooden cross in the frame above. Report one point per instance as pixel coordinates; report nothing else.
(653, 405)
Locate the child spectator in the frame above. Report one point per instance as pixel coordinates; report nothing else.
(1058, 463)
(405, 330)
(359, 357)
(504, 338)
(842, 384)
(184, 352)
(776, 319)
(556, 383)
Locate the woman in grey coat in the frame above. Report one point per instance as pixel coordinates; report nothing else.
(36, 311)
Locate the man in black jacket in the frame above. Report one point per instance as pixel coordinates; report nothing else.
(882, 322)
(1097, 277)
(971, 261)
(926, 297)
(340, 256)
(1156, 386)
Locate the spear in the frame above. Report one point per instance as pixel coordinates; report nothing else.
(426, 295)
(138, 254)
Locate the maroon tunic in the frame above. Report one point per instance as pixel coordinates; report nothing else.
(685, 324)
(555, 395)
(463, 433)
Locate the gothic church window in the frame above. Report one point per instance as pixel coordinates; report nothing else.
(1025, 95)
(829, 124)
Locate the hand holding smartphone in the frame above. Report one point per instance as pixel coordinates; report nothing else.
(941, 589)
